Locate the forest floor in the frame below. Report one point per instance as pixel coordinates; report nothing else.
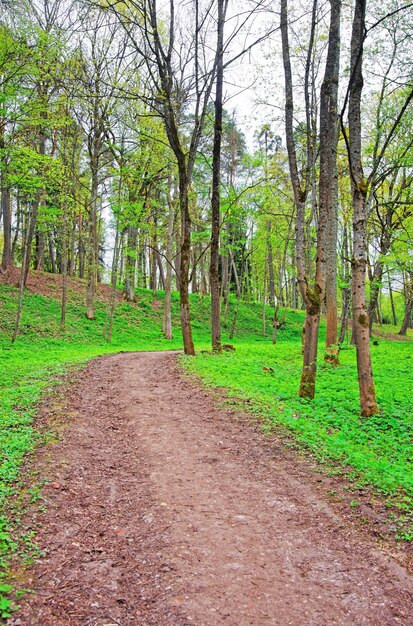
(163, 508)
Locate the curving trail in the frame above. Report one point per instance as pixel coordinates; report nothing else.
(166, 510)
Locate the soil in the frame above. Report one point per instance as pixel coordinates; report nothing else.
(166, 509)
(50, 285)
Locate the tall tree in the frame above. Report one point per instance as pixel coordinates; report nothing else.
(359, 188)
(328, 181)
(216, 182)
(311, 294)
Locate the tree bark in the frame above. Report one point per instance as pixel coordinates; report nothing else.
(24, 272)
(271, 282)
(6, 212)
(185, 260)
(161, 270)
(393, 309)
(167, 324)
(40, 248)
(110, 311)
(35, 208)
(408, 308)
(177, 260)
(155, 254)
(368, 403)
(225, 276)
(92, 247)
(311, 295)
(328, 182)
(64, 270)
(130, 264)
(216, 184)
(194, 277)
(346, 292)
(377, 274)
(264, 303)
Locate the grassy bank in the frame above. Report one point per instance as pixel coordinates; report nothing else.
(263, 376)
(43, 354)
(378, 449)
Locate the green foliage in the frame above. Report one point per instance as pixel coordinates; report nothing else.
(5, 604)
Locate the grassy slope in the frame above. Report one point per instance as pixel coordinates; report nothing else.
(379, 449)
(42, 354)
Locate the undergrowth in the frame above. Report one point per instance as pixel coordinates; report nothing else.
(265, 377)
(42, 355)
(375, 451)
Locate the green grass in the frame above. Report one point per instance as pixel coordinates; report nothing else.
(378, 449)
(43, 354)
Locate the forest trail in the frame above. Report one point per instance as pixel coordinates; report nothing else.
(166, 510)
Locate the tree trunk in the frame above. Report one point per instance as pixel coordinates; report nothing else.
(167, 324)
(225, 278)
(311, 297)
(377, 275)
(185, 260)
(264, 302)
(17, 229)
(35, 209)
(368, 403)
(81, 247)
(40, 248)
(235, 272)
(72, 250)
(328, 182)
(203, 285)
(407, 318)
(216, 183)
(161, 270)
(393, 309)
(6, 212)
(271, 283)
(52, 255)
(29, 238)
(92, 247)
(194, 278)
(130, 264)
(178, 260)
(64, 270)
(5, 202)
(346, 292)
(155, 254)
(24, 272)
(110, 312)
(408, 309)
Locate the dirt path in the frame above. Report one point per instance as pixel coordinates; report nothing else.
(166, 510)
